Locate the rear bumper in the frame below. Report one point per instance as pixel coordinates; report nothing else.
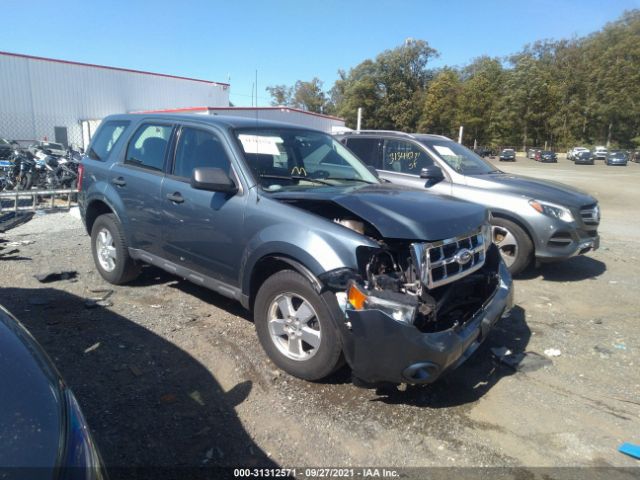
(381, 349)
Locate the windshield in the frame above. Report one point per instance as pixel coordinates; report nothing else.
(284, 158)
(460, 158)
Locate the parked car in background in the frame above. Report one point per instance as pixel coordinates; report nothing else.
(508, 155)
(531, 153)
(47, 148)
(600, 153)
(295, 227)
(573, 153)
(584, 158)
(546, 156)
(616, 157)
(42, 429)
(635, 156)
(485, 152)
(531, 218)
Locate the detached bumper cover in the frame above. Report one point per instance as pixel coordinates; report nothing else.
(380, 349)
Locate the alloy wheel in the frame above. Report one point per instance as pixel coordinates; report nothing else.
(294, 327)
(506, 243)
(106, 250)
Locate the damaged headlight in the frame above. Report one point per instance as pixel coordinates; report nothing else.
(401, 308)
(551, 210)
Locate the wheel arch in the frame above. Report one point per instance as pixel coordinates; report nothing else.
(267, 266)
(524, 226)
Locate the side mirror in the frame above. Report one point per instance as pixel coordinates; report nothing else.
(432, 172)
(374, 171)
(212, 180)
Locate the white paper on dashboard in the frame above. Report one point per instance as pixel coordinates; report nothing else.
(446, 151)
(260, 145)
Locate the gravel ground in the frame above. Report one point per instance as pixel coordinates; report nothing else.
(171, 374)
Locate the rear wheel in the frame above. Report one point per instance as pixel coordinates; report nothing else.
(295, 327)
(110, 251)
(516, 248)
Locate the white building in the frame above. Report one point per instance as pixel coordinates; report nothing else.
(326, 123)
(62, 101)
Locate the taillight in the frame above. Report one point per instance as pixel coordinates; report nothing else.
(80, 175)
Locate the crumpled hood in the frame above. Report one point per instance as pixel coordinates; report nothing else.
(544, 190)
(399, 212)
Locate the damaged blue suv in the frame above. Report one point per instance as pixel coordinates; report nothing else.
(334, 264)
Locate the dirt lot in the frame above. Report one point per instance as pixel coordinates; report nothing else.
(176, 375)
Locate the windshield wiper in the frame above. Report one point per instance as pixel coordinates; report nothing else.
(297, 177)
(350, 180)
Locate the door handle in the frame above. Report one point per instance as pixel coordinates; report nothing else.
(119, 181)
(175, 197)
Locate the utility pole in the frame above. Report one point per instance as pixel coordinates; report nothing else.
(359, 124)
(460, 134)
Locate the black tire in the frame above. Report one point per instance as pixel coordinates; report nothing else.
(523, 255)
(126, 268)
(328, 356)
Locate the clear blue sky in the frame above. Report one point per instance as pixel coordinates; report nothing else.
(285, 40)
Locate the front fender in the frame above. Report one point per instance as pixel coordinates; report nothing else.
(306, 246)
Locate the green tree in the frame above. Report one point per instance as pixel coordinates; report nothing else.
(389, 89)
(440, 112)
(280, 95)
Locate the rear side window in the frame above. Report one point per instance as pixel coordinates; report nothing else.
(404, 157)
(199, 148)
(367, 149)
(148, 146)
(106, 138)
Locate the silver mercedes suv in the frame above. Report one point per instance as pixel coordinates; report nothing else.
(532, 219)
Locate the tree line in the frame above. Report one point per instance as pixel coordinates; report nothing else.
(581, 91)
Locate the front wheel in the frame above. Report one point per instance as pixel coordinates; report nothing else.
(295, 327)
(516, 248)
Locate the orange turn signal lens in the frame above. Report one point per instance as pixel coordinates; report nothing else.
(536, 206)
(356, 297)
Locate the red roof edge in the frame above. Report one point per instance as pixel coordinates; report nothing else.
(69, 62)
(284, 109)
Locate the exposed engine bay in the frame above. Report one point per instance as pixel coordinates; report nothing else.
(434, 286)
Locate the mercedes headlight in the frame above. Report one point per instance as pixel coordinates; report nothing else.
(551, 210)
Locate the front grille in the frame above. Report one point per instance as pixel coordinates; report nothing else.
(590, 214)
(448, 260)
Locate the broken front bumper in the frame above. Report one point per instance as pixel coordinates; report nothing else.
(381, 349)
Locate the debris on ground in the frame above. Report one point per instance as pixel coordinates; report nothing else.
(197, 397)
(135, 370)
(630, 449)
(56, 276)
(92, 347)
(604, 352)
(552, 352)
(19, 243)
(99, 301)
(522, 361)
(620, 346)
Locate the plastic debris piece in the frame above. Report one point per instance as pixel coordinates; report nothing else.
(620, 346)
(197, 397)
(92, 347)
(630, 449)
(56, 276)
(552, 352)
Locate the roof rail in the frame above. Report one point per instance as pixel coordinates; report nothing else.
(393, 132)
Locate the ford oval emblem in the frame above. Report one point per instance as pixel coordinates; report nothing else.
(463, 256)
